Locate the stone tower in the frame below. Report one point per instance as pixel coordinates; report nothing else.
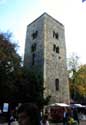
(45, 53)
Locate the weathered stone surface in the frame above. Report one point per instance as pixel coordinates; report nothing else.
(47, 61)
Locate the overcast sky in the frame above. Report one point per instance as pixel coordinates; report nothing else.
(15, 15)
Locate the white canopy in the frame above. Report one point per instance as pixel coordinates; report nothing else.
(60, 104)
(79, 105)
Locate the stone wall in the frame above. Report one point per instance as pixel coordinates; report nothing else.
(55, 62)
(50, 56)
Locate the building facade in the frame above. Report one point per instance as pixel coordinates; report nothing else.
(45, 53)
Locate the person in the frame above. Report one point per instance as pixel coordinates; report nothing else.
(72, 117)
(75, 115)
(65, 117)
(28, 114)
(44, 120)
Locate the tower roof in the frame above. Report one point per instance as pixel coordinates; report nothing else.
(46, 14)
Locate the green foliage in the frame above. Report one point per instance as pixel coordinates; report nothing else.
(9, 64)
(30, 88)
(77, 81)
(16, 83)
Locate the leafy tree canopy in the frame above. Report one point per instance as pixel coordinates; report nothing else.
(16, 83)
(77, 80)
(9, 64)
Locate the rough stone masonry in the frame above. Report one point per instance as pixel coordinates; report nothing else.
(45, 53)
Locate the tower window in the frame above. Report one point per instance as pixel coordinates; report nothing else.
(54, 47)
(34, 35)
(33, 47)
(57, 84)
(57, 49)
(55, 35)
(33, 58)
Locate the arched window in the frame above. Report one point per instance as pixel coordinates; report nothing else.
(57, 84)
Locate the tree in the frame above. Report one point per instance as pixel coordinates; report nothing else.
(77, 79)
(73, 64)
(81, 82)
(30, 88)
(9, 65)
(16, 83)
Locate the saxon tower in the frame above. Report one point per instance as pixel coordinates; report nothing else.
(45, 53)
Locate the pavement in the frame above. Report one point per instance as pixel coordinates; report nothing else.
(81, 123)
(16, 123)
(13, 123)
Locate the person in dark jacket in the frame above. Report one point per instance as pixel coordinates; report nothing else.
(75, 115)
(65, 117)
(28, 114)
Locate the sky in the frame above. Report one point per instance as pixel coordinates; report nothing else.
(15, 15)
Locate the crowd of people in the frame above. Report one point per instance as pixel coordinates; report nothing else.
(29, 114)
